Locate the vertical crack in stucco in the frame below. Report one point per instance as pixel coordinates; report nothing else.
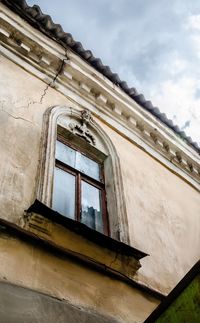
(53, 81)
(42, 96)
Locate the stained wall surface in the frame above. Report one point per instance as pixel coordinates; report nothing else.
(163, 210)
(23, 305)
(28, 265)
(24, 100)
(163, 216)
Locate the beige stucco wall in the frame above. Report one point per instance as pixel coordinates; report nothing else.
(163, 210)
(163, 216)
(21, 117)
(23, 101)
(65, 279)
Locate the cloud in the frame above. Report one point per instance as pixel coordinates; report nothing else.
(178, 99)
(193, 22)
(153, 45)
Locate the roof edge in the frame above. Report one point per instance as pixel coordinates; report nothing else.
(45, 24)
(179, 288)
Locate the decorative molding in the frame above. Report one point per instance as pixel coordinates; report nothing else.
(116, 205)
(82, 129)
(42, 56)
(37, 223)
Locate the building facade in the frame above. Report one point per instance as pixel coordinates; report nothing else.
(99, 191)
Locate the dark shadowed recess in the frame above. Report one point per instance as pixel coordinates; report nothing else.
(20, 304)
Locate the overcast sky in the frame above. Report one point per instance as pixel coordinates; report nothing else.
(154, 45)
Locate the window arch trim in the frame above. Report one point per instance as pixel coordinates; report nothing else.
(114, 185)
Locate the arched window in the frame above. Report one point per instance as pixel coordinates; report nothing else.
(78, 186)
(80, 174)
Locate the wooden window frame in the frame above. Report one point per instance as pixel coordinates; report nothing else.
(80, 176)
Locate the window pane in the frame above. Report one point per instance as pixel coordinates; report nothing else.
(65, 154)
(87, 166)
(75, 159)
(64, 193)
(91, 208)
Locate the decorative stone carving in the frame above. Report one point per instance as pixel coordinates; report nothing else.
(179, 157)
(82, 129)
(154, 137)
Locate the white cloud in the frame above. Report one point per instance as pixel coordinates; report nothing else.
(155, 50)
(177, 98)
(174, 64)
(196, 44)
(193, 22)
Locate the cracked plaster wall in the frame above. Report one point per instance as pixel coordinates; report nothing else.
(23, 101)
(163, 210)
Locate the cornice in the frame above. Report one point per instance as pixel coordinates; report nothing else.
(88, 88)
(44, 23)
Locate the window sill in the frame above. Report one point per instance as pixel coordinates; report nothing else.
(79, 240)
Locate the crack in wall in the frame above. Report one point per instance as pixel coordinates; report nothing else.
(41, 98)
(15, 117)
(52, 82)
(48, 85)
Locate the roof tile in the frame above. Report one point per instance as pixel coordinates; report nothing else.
(35, 16)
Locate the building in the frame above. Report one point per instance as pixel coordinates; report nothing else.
(99, 191)
(182, 304)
